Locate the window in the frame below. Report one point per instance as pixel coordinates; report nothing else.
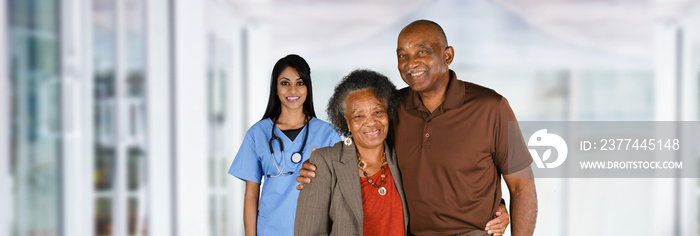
(119, 116)
(35, 139)
(218, 74)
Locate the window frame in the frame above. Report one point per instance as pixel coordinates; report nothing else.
(4, 127)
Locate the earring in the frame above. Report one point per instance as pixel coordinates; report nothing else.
(348, 141)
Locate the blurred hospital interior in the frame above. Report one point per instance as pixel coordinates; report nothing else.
(121, 117)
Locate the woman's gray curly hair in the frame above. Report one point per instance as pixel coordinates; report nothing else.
(356, 81)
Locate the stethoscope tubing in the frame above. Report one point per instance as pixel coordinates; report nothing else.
(299, 153)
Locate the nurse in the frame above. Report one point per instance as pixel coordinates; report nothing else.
(275, 147)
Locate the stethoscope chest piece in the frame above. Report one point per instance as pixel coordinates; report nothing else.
(296, 157)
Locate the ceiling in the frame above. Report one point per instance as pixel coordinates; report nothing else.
(621, 28)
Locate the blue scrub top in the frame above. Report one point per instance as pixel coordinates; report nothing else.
(278, 201)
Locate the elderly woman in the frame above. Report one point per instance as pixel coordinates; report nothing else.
(357, 189)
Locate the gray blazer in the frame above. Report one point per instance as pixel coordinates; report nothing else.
(332, 203)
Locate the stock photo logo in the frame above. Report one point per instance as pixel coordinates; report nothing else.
(543, 139)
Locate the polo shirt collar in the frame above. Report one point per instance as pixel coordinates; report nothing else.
(454, 96)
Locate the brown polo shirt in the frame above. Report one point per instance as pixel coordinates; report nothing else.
(452, 159)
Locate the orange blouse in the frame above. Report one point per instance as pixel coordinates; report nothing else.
(382, 215)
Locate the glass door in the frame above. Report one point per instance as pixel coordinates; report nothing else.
(120, 138)
(35, 117)
(218, 73)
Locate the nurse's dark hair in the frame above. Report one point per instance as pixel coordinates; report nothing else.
(356, 81)
(274, 105)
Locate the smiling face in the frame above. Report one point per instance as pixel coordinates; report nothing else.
(291, 89)
(367, 118)
(423, 57)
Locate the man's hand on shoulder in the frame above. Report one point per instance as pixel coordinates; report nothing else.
(307, 172)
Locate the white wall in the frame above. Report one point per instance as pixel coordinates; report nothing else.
(259, 67)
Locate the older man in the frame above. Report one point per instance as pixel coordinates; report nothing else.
(451, 140)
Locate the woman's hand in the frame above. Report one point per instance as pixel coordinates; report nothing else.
(498, 225)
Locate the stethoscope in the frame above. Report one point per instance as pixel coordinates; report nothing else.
(296, 157)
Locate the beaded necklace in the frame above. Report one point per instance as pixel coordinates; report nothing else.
(361, 164)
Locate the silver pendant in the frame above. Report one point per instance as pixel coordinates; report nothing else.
(382, 191)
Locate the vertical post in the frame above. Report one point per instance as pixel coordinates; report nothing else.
(5, 190)
(85, 47)
(173, 115)
(77, 105)
(74, 165)
(665, 84)
(566, 183)
(679, 114)
(236, 130)
(122, 129)
(666, 108)
(158, 95)
(190, 117)
(690, 106)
